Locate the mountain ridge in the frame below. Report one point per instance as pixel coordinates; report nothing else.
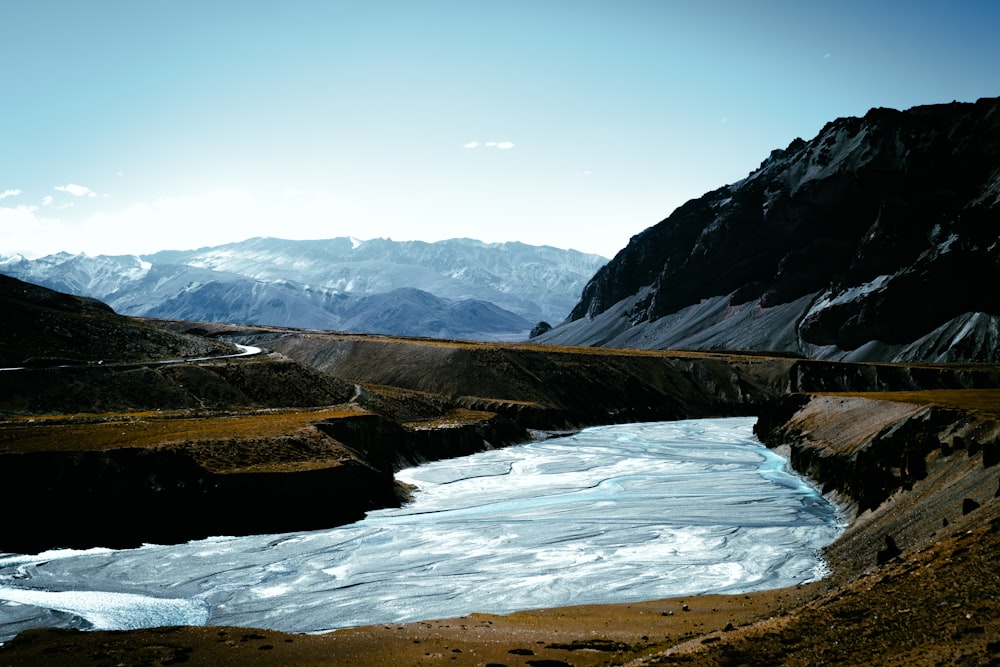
(868, 242)
(479, 290)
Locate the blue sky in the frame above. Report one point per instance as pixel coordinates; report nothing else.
(130, 127)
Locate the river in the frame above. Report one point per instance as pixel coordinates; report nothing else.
(611, 514)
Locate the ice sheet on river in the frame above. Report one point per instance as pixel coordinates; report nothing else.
(612, 514)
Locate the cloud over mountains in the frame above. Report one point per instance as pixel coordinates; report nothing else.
(500, 145)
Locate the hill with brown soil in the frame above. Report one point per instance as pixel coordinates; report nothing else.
(43, 327)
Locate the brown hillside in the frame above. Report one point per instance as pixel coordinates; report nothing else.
(43, 327)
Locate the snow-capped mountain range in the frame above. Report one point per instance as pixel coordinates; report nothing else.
(456, 288)
(878, 240)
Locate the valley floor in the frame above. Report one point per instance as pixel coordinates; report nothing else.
(915, 577)
(934, 601)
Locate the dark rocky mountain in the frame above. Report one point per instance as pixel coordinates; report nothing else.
(876, 240)
(472, 289)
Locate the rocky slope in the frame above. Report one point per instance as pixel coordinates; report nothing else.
(454, 288)
(875, 240)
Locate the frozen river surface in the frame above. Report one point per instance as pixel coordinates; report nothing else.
(612, 514)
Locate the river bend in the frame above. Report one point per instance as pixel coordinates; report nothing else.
(611, 514)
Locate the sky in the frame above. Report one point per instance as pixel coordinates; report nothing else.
(130, 127)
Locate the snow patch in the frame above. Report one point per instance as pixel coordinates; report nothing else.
(945, 246)
(140, 269)
(820, 158)
(991, 191)
(212, 259)
(827, 299)
(966, 330)
(769, 198)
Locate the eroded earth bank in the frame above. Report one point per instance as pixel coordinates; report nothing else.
(322, 416)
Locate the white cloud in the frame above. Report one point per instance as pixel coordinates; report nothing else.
(23, 231)
(180, 222)
(501, 145)
(76, 190)
(175, 222)
(47, 199)
(10, 193)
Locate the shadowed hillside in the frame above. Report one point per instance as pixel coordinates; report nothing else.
(44, 327)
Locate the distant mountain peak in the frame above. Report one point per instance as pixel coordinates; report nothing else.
(328, 283)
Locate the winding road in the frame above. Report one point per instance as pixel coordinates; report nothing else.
(245, 351)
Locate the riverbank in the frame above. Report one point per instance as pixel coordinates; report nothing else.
(914, 578)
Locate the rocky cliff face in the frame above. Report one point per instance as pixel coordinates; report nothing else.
(903, 471)
(875, 240)
(137, 495)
